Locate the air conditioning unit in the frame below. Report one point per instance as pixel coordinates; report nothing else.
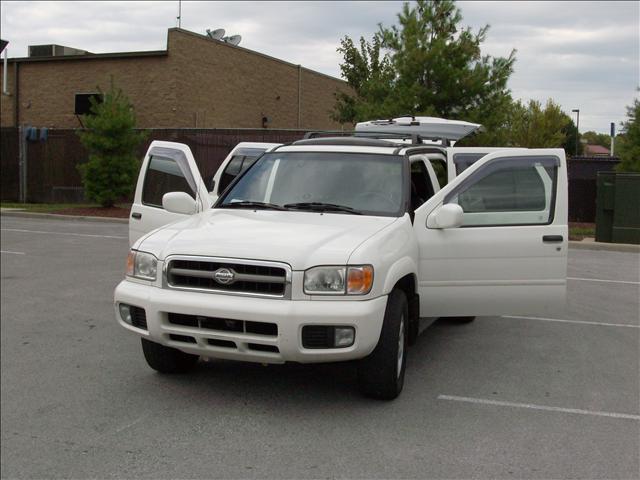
(53, 50)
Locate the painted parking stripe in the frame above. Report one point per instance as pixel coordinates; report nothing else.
(580, 322)
(580, 279)
(531, 406)
(12, 253)
(61, 233)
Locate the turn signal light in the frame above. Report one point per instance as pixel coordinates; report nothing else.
(359, 279)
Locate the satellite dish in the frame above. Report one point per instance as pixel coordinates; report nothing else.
(215, 34)
(233, 39)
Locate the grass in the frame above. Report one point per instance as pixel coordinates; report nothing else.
(54, 207)
(578, 231)
(45, 207)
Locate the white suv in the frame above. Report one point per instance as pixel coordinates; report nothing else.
(333, 249)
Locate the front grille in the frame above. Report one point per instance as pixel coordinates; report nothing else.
(258, 278)
(223, 324)
(317, 336)
(138, 317)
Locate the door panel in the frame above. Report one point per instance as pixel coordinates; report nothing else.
(167, 167)
(497, 262)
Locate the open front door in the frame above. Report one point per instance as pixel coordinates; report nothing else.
(494, 240)
(167, 167)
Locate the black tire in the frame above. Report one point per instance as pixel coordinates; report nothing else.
(460, 319)
(167, 359)
(378, 373)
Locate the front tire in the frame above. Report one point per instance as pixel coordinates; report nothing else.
(167, 359)
(381, 373)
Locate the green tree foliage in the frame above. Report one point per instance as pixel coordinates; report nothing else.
(569, 145)
(431, 66)
(594, 138)
(111, 140)
(533, 126)
(628, 144)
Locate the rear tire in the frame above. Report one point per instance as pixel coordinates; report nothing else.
(167, 359)
(381, 373)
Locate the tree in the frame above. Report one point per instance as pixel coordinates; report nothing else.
(532, 126)
(594, 138)
(432, 66)
(628, 145)
(111, 140)
(569, 145)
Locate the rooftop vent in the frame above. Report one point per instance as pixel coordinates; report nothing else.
(54, 51)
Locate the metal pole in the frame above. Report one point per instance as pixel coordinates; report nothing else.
(179, 13)
(577, 131)
(4, 74)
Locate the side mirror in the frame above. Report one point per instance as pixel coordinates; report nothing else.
(179, 202)
(446, 216)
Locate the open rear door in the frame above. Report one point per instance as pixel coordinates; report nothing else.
(504, 249)
(167, 167)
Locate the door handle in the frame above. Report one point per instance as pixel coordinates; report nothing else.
(552, 238)
(136, 215)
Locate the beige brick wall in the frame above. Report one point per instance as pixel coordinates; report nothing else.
(199, 83)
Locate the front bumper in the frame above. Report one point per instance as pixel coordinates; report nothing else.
(365, 316)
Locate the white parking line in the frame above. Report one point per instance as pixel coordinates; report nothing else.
(602, 280)
(531, 406)
(61, 233)
(13, 253)
(583, 322)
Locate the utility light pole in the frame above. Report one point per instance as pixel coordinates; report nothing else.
(577, 111)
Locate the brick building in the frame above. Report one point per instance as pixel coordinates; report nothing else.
(196, 82)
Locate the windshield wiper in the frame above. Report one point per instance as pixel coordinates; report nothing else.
(249, 204)
(322, 207)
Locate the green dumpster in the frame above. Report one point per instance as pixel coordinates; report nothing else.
(618, 207)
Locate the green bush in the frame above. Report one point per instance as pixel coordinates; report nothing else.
(112, 141)
(628, 145)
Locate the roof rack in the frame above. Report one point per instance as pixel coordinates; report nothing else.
(415, 139)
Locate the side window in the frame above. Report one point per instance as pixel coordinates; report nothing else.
(243, 159)
(512, 191)
(462, 161)
(163, 175)
(440, 168)
(421, 187)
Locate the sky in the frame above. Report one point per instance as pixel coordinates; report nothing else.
(583, 55)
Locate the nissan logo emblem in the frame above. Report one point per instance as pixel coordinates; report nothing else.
(224, 276)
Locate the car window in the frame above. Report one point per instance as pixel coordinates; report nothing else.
(241, 160)
(518, 192)
(163, 176)
(421, 186)
(370, 183)
(462, 161)
(440, 168)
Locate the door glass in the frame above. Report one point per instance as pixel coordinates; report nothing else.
(516, 191)
(421, 187)
(163, 176)
(462, 161)
(242, 159)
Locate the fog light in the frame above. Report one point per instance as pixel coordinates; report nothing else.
(344, 337)
(125, 313)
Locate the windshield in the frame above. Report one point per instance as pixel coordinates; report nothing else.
(357, 183)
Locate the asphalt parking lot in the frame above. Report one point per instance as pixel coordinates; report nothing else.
(522, 397)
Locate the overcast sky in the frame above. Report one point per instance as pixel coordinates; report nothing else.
(582, 54)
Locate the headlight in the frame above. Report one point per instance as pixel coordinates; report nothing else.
(352, 280)
(142, 265)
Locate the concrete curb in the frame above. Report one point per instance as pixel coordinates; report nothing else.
(577, 245)
(55, 216)
(609, 247)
